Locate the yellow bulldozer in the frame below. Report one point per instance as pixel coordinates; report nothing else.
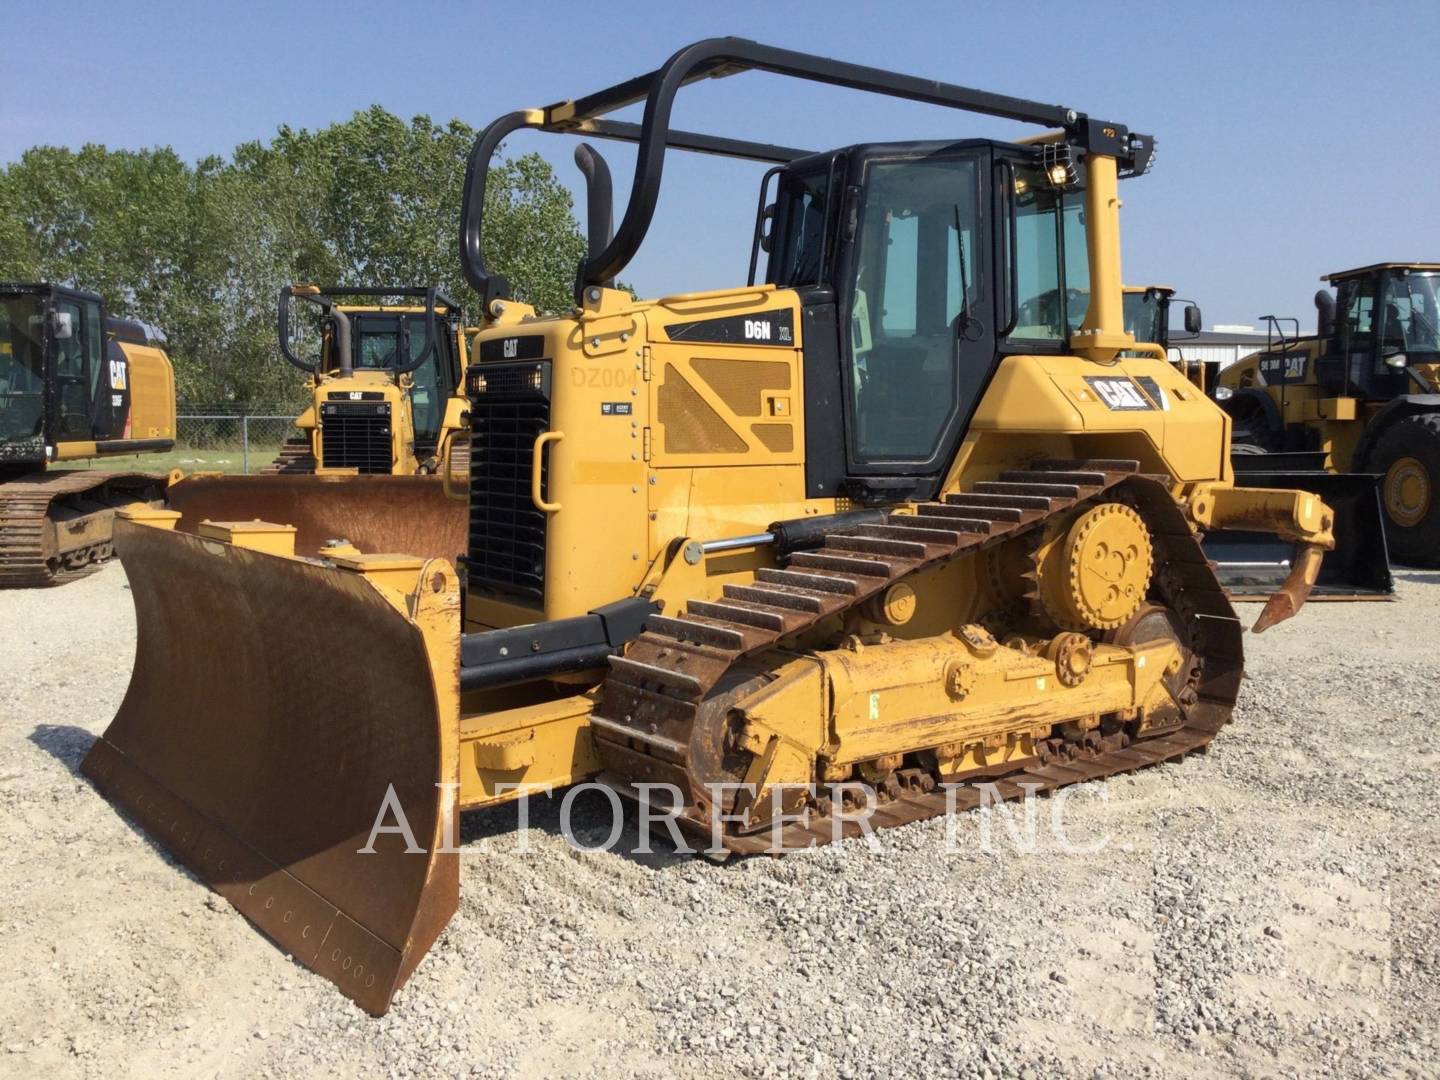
(1362, 395)
(75, 384)
(383, 384)
(782, 562)
(380, 451)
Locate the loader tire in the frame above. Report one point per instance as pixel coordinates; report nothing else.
(1408, 457)
(1249, 426)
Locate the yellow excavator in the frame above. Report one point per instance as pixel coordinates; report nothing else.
(75, 385)
(783, 562)
(384, 384)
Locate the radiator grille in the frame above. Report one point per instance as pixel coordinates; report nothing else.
(509, 409)
(356, 435)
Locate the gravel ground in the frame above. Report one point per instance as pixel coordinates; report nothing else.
(1270, 909)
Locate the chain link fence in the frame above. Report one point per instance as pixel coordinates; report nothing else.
(229, 441)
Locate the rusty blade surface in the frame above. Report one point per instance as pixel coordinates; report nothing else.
(404, 514)
(274, 703)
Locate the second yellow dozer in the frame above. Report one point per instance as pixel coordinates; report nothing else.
(784, 561)
(384, 384)
(380, 447)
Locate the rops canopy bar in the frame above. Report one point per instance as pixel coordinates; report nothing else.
(714, 58)
(324, 297)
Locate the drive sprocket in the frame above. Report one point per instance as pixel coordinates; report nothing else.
(1095, 576)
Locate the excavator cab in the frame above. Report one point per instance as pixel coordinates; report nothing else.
(898, 516)
(74, 384)
(69, 377)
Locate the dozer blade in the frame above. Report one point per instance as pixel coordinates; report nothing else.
(1252, 566)
(375, 513)
(275, 703)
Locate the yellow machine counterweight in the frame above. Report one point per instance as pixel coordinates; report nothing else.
(907, 509)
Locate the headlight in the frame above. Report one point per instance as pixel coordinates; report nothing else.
(1223, 393)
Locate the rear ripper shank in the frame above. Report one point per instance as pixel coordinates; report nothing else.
(909, 508)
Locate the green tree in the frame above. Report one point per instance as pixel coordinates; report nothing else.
(199, 252)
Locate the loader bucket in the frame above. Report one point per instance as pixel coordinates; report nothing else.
(275, 704)
(1251, 566)
(375, 513)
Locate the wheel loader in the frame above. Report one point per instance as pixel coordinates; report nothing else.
(1362, 395)
(1251, 564)
(383, 385)
(75, 384)
(889, 525)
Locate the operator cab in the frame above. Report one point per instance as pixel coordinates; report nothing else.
(369, 333)
(1382, 323)
(894, 249)
(387, 342)
(63, 377)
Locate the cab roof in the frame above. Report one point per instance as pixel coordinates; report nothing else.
(1363, 270)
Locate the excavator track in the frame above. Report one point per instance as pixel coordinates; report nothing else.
(32, 526)
(651, 703)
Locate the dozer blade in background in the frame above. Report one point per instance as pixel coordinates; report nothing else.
(274, 703)
(1251, 566)
(375, 513)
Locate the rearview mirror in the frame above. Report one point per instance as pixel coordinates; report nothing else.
(61, 327)
(1192, 319)
(767, 222)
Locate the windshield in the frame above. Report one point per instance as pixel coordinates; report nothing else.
(1409, 315)
(22, 371)
(1142, 316)
(377, 341)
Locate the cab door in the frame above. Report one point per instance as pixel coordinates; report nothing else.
(74, 346)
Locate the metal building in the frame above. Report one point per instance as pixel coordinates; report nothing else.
(1226, 344)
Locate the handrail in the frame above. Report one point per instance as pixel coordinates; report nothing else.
(537, 465)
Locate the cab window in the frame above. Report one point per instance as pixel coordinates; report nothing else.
(1356, 303)
(914, 282)
(796, 255)
(427, 395)
(1048, 256)
(377, 343)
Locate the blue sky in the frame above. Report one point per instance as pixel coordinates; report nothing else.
(1292, 141)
